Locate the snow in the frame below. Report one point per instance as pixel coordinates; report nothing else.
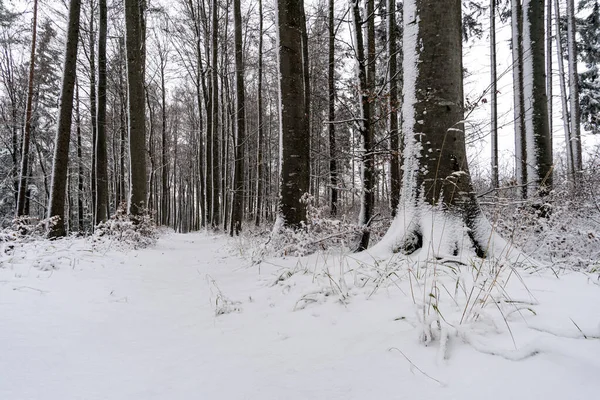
(82, 319)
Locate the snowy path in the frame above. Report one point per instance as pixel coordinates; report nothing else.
(142, 325)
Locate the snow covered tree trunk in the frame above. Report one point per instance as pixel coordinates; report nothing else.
(22, 188)
(237, 213)
(575, 142)
(333, 171)
(393, 109)
(438, 208)
(518, 100)
(494, 95)
(137, 115)
(294, 130)
(537, 133)
(101, 150)
(63, 134)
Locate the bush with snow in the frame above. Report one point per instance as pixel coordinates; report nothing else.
(127, 230)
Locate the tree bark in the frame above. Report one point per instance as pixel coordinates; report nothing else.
(101, 150)
(63, 133)
(28, 112)
(393, 110)
(136, 100)
(575, 136)
(366, 82)
(237, 213)
(494, 95)
(518, 100)
(294, 130)
(537, 133)
(333, 170)
(260, 138)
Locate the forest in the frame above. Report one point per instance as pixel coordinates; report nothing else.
(433, 163)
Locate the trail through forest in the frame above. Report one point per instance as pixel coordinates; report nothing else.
(89, 321)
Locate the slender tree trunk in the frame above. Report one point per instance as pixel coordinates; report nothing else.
(573, 88)
(518, 103)
(260, 137)
(366, 78)
(549, 62)
(494, 97)
(237, 213)
(134, 28)
(333, 170)
(28, 112)
(294, 131)
(93, 112)
(164, 203)
(63, 133)
(563, 93)
(101, 150)
(214, 137)
(393, 110)
(80, 175)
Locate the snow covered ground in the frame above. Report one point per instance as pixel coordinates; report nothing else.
(84, 321)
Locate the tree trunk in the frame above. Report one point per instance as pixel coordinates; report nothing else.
(518, 100)
(563, 93)
(80, 175)
(63, 133)
(101, 150)
(494, 95)
(136, 100)
(214, 136)
(437, 199)
(537, 133)
(366, 80)
(333, 171)
(260, 137)
(294, 133)
(28, 112)
(575, 136)
(237, 213)
(393, 110)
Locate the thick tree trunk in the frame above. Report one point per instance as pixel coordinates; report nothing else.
(537, 133)
(134, 28)
(294, 130)
(93, 111)
(63, 133)
(237, 213)
(549, 61)
(101, 150)
(27, 129)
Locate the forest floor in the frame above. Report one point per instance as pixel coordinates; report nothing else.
(192, 318)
